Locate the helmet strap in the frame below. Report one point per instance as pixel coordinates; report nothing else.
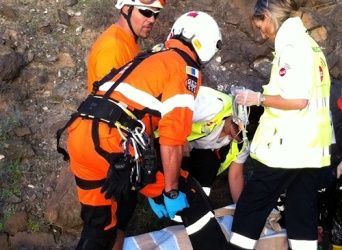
(187, 43)
(128, 19)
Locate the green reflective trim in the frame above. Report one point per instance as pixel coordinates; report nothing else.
(202, 129)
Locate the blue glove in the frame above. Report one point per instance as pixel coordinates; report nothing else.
(174, 205)
(158, 209)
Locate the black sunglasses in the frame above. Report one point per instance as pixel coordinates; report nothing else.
(146, 12)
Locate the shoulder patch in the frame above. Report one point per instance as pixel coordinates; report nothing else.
(191, 85)
(283, 70)
(192, 71)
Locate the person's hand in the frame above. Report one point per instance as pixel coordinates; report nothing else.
(248, 97)
(117, 183)
(175, 201)
(158, 209)
(231, 129)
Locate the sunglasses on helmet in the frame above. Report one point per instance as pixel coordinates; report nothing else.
(147, 12)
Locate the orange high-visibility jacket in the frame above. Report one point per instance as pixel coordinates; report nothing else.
(161, 83)
(112, 49)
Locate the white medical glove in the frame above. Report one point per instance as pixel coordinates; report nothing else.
(248, 97)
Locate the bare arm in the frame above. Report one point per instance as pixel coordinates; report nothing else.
(276, 101)
(249, 98)
(171, 158)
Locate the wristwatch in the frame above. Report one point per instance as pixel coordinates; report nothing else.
(172, 194)
(262, 99)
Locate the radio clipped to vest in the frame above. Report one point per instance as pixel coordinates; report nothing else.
(150, 166)
(150, 160)
(144, 169)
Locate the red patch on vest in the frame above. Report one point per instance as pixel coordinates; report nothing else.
(282, 71)
(339, 103)
(321, 73)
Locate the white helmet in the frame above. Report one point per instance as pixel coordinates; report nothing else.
(201, 30)
(148, 3)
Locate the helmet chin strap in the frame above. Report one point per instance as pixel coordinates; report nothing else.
(128, 19)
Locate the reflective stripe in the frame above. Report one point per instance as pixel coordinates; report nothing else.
(177, 218)
(147, 100)
(303, 244)
(242, 241)
(206, 190)
(137, 95)
(106, 86)
(178, 101)
(199, 224)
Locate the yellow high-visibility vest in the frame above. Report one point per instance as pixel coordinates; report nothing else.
(297, 138)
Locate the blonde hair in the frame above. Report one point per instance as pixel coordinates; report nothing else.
(280, 10)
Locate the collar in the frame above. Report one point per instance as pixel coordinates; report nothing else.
(291, 30)
(175, 43)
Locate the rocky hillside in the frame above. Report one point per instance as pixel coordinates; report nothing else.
(43, 46)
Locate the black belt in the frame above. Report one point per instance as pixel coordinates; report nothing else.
(87, 185)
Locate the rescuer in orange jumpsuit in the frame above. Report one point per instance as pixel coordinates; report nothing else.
(115, 47)
(111, 144)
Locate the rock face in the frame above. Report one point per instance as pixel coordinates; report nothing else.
(63, 208)
(43, 47)
(16, 223)
(11, 62)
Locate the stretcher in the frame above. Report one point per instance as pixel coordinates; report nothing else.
(175, 237)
